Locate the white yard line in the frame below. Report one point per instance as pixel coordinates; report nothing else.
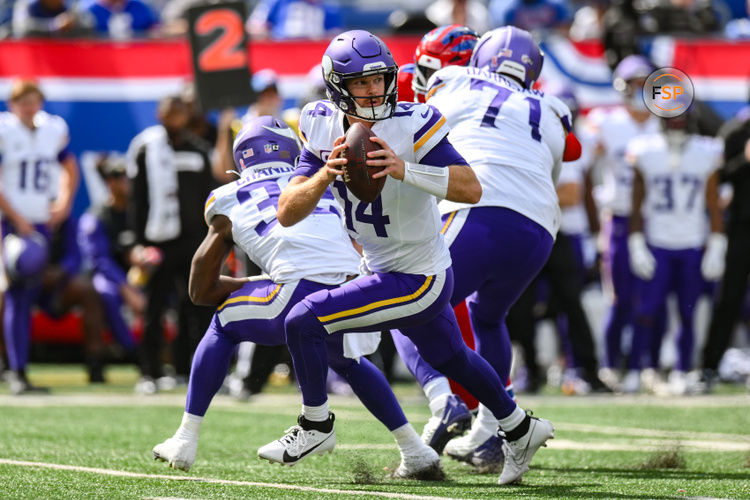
(646, 445)
(280, 486)
(743, 439)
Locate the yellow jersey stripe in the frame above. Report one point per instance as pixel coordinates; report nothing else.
(448, 223)
(426, 137)
(380, 303)
(209, 201)
(432, 91)
(250, 298)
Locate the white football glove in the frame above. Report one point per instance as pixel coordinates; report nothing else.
(712, 265)
(642, 262)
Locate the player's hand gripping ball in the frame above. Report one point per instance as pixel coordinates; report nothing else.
(357, 174)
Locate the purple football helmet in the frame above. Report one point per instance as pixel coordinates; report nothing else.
(509, 51)
(24, 256)
(354, 54)
(265, 142)
(631, 68)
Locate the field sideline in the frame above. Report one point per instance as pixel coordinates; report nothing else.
(83, 442)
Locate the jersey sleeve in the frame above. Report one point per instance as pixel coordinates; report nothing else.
(220, 202)
(430, 127)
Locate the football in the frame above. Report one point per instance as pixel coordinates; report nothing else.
(357, 174)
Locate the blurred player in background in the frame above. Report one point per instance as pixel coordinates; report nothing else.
(411, 281)
(313, 255)
(675, 185)
(607, 133)
(726, 313)
(107, 242)
(35, 167)
(169, 169)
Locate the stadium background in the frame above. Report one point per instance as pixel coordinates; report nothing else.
(107, 91)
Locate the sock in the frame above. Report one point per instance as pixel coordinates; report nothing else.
(190, 427)
(437, 405)
(485, 425)
(510, 423)
(437, 391)
(316, 413)
(407, 439)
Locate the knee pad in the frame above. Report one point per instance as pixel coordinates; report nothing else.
(24, 257)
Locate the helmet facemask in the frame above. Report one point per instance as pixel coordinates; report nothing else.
(347, 102)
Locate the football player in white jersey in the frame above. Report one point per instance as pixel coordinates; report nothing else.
(607, 133)
(514, 138)
(411, 281)
(314, 255)
(675, 186)
(35, 167)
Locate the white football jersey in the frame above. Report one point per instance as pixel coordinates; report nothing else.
(613, 128)
(513, 138)
(674, 208)
(29, 165)
(400, 231)
(573, 219)
(317, 248)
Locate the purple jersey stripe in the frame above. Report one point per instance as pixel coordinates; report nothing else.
(427, 126)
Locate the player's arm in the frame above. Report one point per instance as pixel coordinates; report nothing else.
(21, 225)
(69, 180)
(301, 195)
(207, 286)
(592, 213)
(451, 179)
(714, 256)
(569, 194)
(713, 206)
(639, 193)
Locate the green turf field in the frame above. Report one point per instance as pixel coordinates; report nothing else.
(81, 442)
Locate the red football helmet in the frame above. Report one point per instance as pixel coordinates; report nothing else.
(444, 46)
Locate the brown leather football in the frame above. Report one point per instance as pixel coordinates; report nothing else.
(357, 174)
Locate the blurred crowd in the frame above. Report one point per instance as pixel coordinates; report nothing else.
(618, 23)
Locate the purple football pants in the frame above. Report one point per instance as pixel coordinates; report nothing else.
(256, 313)
(112, 301)
(417, 305)
(616, 263)
(677, 271)
(19, 298)
(496, 253)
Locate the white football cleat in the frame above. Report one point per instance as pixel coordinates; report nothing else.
(301, 440)
(423, 466)
(678, 383)
(632, 382)
(519, 452)
(178, 453)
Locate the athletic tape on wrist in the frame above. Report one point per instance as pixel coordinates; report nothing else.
(433, 180)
